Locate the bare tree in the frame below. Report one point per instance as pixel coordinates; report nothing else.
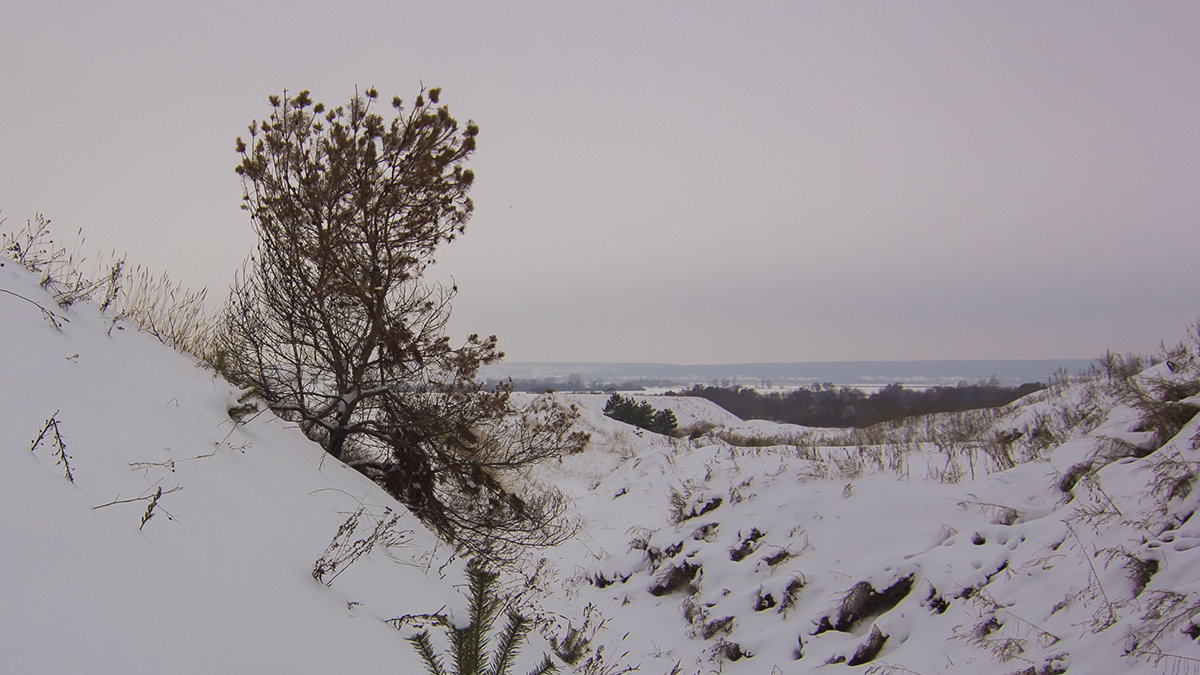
(332, 326)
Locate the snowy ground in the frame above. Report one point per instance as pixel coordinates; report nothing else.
(1049, 537)
(219, 579)
(950, 554)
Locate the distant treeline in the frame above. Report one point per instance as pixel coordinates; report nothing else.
(828, 406)
(541, 385)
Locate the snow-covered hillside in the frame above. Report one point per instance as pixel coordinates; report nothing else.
(1055, 535)
(219, 579)
(1052, 536)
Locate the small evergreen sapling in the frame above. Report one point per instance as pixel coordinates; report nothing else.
(469, 646)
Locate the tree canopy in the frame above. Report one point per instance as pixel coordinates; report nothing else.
(331, 324)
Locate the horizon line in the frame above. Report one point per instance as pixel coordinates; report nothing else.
(776, 363)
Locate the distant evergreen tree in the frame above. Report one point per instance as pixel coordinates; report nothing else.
(640, 414)
(826, 405)
(664, 422)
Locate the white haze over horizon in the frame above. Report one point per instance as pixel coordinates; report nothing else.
(696, 182)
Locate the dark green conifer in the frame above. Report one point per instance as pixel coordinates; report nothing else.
(469, 646)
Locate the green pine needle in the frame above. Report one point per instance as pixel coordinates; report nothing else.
(433, 663)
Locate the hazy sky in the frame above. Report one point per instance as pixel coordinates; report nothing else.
(689, 182)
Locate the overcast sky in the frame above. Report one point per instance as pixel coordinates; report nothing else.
(686, 182)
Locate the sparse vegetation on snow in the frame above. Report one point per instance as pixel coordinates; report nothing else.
(1053, 534)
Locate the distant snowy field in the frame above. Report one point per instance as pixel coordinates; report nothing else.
(1054, 535)
(868, 375)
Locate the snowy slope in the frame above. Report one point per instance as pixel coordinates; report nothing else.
(220, 578)
(706, 557)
